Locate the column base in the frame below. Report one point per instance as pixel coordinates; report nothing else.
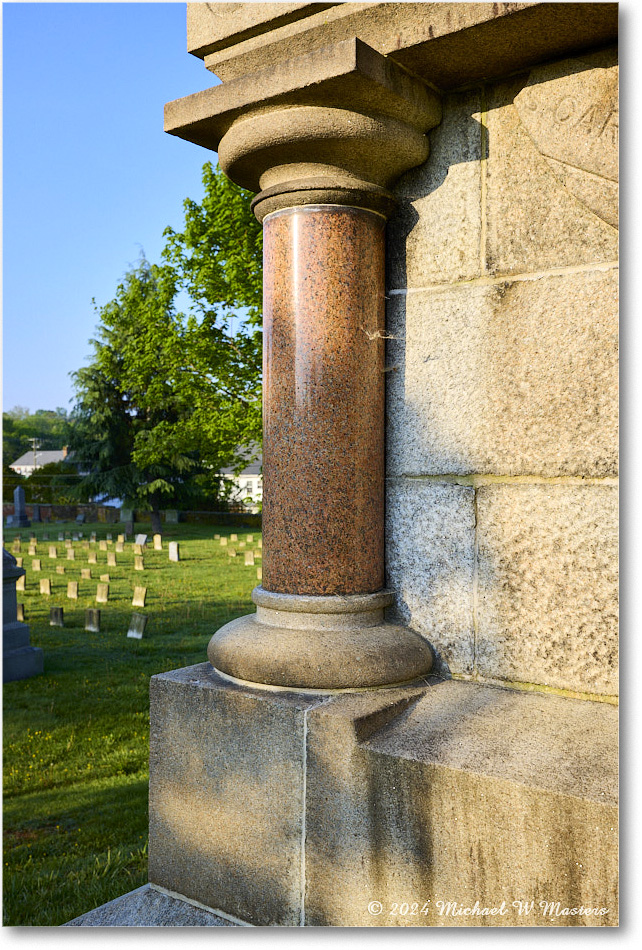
(300, 641)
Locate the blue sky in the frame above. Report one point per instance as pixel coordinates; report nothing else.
(90, 177)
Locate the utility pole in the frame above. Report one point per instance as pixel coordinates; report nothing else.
(35, 444)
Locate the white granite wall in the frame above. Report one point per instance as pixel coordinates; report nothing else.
(502, 382)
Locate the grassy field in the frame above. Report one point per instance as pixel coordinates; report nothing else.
(76, 740)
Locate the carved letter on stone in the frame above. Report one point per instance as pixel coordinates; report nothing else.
(570, 111)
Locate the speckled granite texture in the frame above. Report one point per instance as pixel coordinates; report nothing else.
(323, 401)
(147, 907)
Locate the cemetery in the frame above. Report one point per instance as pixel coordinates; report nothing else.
(76, 736)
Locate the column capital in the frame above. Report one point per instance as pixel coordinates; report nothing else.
(336, 126)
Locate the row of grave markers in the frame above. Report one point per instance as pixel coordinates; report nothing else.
(102, 590)
(137, 624)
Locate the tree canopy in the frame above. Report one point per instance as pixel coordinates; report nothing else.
(170, 398)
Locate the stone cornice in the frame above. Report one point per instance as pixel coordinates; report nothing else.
(445, 44)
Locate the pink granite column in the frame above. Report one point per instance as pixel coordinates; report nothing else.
(323, 401)
(320, 619)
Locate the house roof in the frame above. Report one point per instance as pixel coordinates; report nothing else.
(45, 457)
(253, 468)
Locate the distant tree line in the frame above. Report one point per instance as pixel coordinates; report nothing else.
(172, 392)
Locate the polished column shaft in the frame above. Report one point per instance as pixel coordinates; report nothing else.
(323, 401)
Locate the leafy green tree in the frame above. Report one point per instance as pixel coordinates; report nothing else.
(218, 260)
(127, 422)
(169, 399)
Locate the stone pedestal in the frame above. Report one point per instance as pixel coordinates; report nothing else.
(276, 808)
(19, 659)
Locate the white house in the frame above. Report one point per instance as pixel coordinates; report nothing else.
(31, 461)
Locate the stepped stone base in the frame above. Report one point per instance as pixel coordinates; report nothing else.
(292, 809)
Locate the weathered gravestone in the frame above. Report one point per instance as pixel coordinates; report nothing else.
(102, 593)
(85, 574)
(19, 659)
(45, 586)
(140, 593)
(17, 546)
(223, 542)
(231, 552)
(120, 539)
(102, 545)
(35, 564)
(60, 568)
(71, 554)
(158, 542)
(138, 549)
(111, 559)
(53, 551)
(137, 626)
(56, 617)
(242, 544)
(33, 550)
(91, 558)
(139, 564)
(234, 537)
(105, 578)
(72, 590)
(141, 539)
(173, 551)
(249, 558)
(21, 581)
(21, 612)
(19, 561)
(92, 620)
(120, 547)
(20, 519)
(249, 538)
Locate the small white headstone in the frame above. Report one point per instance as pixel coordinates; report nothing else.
(53, 551)
(173, 551)
(45, 586)
(72, 590)
(158, 542)
(140, 539)
(140, 593)
(102, 593)
(137, 626)
(249, 558)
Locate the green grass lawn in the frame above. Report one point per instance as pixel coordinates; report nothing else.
(76, 739)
